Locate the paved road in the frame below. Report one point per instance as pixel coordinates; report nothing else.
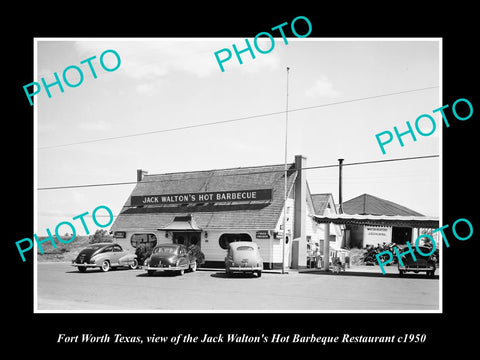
(61, 287)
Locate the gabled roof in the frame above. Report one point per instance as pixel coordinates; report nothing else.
(321, 201)
(225, 215)
(371, 205)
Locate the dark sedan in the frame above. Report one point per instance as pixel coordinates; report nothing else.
(171, 257)
(421, 263)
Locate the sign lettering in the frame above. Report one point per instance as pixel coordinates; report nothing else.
(262, 234)
(204, 197)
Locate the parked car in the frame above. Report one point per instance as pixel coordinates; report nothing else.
(171, 257)
(423, 263)
(104, 256)
(243, 257)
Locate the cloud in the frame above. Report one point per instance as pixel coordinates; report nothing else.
(322, 88)
(151, 59)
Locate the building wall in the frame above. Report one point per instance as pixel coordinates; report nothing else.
(313, 229)
(277, 246)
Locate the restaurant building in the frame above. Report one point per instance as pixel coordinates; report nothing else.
(215, 207)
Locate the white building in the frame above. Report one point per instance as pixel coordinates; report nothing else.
(214, 207)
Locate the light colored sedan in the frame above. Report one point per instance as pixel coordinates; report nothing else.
(244, 257)
(104, 256)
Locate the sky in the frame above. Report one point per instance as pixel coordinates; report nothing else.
(170, 83)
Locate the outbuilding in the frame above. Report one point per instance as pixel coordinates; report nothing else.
(212, 208)
(363, 235)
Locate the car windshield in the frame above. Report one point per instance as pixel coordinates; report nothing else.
(166, 250)
(245, 248)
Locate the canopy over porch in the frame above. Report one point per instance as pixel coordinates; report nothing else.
(379, 220)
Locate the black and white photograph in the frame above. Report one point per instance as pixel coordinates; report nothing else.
(187, 158)
(226, 182)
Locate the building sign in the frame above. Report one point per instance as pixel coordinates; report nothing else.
(120, 234)
(262, 234)
(374, 235)
(203, 197)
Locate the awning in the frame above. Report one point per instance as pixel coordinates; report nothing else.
(379, 220)
(182, 223)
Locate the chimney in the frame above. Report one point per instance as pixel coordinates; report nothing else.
(299, 245)
(140, 174)
(340, 201)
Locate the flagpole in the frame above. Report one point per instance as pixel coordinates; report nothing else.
(285, 192)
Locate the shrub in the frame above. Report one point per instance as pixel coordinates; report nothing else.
(101, 235)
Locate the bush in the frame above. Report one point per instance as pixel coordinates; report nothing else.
(195, 251)
(370, 258)
(101, 235)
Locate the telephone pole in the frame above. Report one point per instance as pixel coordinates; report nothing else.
(286, 183)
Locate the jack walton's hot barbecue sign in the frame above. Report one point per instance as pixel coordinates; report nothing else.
(203, 197)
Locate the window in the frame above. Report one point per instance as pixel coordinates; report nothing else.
(150, 240)
(226, 239)
(117, 248)
(107, 249)
(166, 250)
(245, 248)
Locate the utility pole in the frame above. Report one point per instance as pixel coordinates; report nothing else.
(340, 179)
(285, 193)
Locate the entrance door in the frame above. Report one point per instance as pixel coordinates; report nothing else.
(401, 235)
(187, 238)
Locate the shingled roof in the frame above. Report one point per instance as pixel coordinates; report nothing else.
(224, 215)
(371, 205)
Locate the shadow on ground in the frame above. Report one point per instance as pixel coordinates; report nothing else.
(223, 275)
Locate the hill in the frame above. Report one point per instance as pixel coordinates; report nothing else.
(63, 252)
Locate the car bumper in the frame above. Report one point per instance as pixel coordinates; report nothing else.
(170, 268)
(85, 265)
(417, 269)
(244, 268)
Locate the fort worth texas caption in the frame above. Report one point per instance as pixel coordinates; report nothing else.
(240, 338)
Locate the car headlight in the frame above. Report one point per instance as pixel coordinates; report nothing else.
(145, 263)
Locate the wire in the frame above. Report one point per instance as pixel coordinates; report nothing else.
(234, 120)
(236, 174)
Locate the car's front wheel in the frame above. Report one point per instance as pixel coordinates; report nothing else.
(105, 266)
(82, 269)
